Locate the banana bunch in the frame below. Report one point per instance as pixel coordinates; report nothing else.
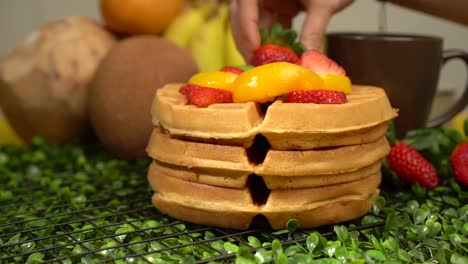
(204, 30)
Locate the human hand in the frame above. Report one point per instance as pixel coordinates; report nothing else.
(247, 16)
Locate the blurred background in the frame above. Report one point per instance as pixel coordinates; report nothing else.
(20, 17)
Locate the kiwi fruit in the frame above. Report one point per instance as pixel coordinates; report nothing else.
(123, 88)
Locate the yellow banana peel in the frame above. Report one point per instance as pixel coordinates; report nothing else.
(232, 56)
(207, 45)
(184, 26)
(458, 121)
(8, 134)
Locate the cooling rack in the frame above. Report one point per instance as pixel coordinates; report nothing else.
(78, 210)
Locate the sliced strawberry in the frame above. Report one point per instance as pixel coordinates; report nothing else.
(205, 96)
(232, 69)
(320, 63)
(273, 53)
(316, 97)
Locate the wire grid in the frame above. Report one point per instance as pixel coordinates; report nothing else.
(112, 223)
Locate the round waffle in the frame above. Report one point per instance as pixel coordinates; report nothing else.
(362, 119)
(236, 208)
(229, 166)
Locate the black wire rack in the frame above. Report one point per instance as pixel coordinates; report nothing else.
(113, 221)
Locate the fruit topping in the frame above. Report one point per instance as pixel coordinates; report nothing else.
(336, 82)
(320, 63)
(205, 96)
(333, 74)
(264, 83)
(459, 161)
(273, 53)
(232, 69)
(278, 45)
(411, 166)
(215, 79)
(316, 97)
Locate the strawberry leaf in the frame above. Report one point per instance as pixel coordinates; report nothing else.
(391, 133)
(264, 36)
(281, 37)
(298, 48)
(289, 36)
(276, 30)
(465, 126)
(421, 139)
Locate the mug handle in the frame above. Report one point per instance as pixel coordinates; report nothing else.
(462, 102)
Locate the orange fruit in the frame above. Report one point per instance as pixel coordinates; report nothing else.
(264, 83)
(336, 82)
(132, 17)
(215, 79)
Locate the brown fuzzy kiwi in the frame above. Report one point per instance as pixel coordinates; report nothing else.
(123, 88)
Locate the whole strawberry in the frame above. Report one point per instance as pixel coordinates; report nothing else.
(459, 161)
(411, 166)
(278, 45)
(316, 97)
(273, 53)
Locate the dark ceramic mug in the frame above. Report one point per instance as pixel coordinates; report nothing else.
(406, 66)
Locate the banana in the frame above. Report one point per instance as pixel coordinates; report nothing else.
(207, 45)
(7, 134)
(182, 28)
(232, 56)
(458, 123)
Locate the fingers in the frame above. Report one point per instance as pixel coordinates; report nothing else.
(314, 27)
(317, 18)
(244, 22)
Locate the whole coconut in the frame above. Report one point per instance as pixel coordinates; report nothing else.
(125, 83)
(44, 79)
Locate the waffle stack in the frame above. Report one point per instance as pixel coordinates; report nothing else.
(228, 164)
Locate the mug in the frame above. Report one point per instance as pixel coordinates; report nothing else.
(406, 66)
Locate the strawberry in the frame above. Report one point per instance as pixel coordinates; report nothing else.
(277, 45)
(232, 69)
(273, 53)
(204, 96)
(411, 166)
(316, 96)
(320, 63)
(459, 161)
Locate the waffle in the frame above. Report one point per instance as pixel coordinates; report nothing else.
(236, 208)
(285, 125)
(229, 166)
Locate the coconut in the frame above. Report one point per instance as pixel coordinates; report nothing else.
(44, 79)
(124, 86)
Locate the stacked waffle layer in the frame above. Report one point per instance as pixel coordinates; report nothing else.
(228, 164)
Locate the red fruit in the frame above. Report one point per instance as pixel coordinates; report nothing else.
(316, 97)
(459, 161)
(320, 63)
(205, 96)
(232, 69)
(411, 166)
(269, 53)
